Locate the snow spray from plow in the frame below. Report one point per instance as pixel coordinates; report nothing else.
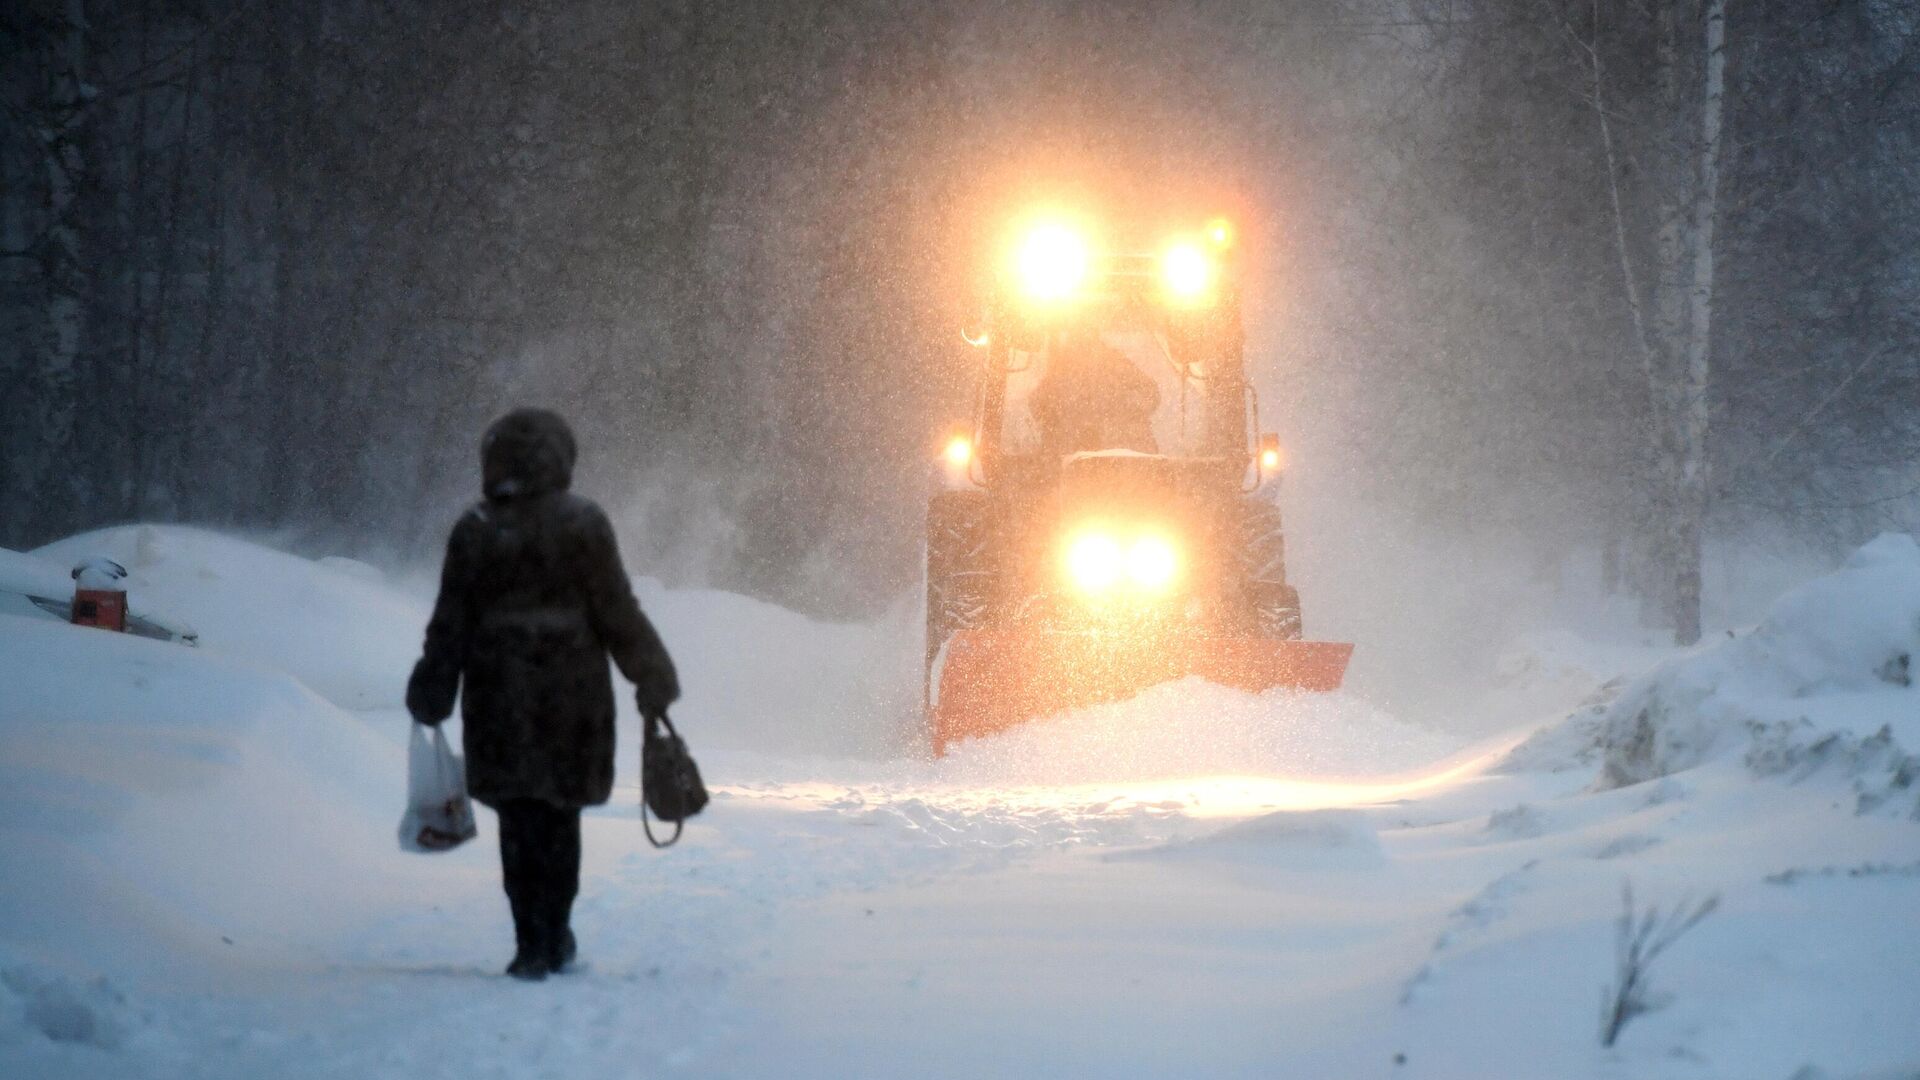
(994, 679)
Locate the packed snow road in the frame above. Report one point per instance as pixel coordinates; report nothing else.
(198, 874)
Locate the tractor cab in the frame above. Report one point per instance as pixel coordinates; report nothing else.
(1091, 350)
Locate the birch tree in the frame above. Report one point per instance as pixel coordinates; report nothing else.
(1672, 308)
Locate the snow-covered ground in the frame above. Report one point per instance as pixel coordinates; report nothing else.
(198, 873)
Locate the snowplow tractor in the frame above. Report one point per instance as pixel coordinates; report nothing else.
(1109, 521)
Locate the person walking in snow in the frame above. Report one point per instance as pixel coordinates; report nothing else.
(533, 599)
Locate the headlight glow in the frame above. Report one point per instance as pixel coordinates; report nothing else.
(1152, 564)
(959, 451)
(1095, 562)
(1052, 262)
(1186, 271)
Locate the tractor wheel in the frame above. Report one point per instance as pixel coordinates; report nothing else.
(959, 568)
(1273, 605)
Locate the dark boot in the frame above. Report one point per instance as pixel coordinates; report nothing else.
(533, 944)
(530, 946)
(529, 967)
(563, 951)
(561, 947)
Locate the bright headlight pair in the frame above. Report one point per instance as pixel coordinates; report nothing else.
(1097, 562)
(1054, 261)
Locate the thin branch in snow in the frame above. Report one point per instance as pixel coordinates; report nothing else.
(1639, 938)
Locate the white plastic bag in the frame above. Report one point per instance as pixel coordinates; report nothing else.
(439, 816)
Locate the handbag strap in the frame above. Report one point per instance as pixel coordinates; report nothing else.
(645, 827)
(648, 829)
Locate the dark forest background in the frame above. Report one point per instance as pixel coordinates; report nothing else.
(275, 264)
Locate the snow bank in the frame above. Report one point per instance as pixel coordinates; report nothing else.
(42, 588)
(350, 639)
(756, 675)
(183, 793)
(33, 576)
(23, 576)
(1827, 678)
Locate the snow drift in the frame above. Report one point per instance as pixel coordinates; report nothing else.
(149, 784)
(31, 576)
(753, 671)
(1825, 680)
(349, 639)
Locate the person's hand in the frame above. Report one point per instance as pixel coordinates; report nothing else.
(650, 711)
(430, 721)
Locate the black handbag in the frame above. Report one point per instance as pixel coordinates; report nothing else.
(670, 783)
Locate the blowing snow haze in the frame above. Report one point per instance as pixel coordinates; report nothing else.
(274, 267)
(1196, 538)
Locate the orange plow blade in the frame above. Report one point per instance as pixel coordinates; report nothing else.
(994, 679)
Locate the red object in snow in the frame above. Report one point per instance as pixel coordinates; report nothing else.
(105, 608)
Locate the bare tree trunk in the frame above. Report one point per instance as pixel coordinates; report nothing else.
(212, 318)
(1652, 316)
(64, 271)
(1670, 202)
(160, 469)
(288, 394)
(1672, 319)
(19, 226)
(1692, 488)
(135, 436)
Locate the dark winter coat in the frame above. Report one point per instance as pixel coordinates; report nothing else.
(532, 601)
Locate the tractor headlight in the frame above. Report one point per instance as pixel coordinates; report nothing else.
(1098, 562)
(1187, 272)
(1152, 564)
(1095, 562)
(1052, 262)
